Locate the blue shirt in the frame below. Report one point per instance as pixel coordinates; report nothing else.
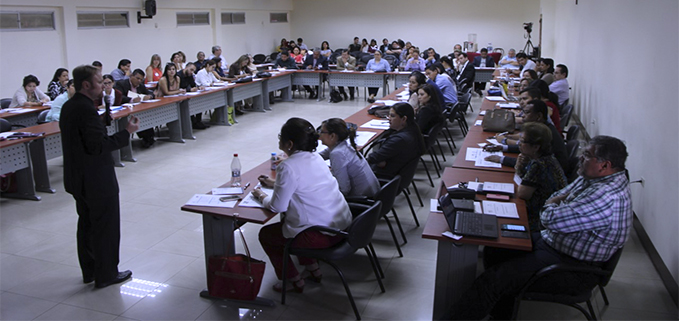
(55, 110)
(448, 89)
(383, 65)
(439, 94)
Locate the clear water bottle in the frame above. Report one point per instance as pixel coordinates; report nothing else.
(273, 161)
(490, 47)
(235, 171)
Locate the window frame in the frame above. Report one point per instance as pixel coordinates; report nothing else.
(18, 22)
(103, 19)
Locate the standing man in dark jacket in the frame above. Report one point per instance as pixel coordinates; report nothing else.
(90, 177)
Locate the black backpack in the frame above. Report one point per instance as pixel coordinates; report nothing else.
(335, 96)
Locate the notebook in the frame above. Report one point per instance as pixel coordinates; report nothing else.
(468, 223)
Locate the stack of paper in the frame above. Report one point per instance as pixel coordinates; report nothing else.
(376, 124)
(495, 98)
(478, 155)
(500, 209)
(508, 105)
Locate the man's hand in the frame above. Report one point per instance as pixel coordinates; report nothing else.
(492, 148)
(135, 99)
(557, 199)
(494, 159)
(132, 124)
(266, 181)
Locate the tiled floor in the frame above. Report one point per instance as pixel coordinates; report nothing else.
(163, 246)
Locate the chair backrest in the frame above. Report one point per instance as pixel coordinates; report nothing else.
(572, 148)
(408, 173)
(463, 102)
(43, 116)
(500, 50)
(363, 226)
(274, 56)
(566, 116)
(259, 58)
(5, 125)
(387, 194)
(431, 137)
(392, 60)
(366, 57)
(573, 132)
(610, 265)
(4, 103)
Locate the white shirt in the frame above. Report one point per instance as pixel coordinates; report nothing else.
(508, 65)
(204, 78)
(308, 194)
(353, 173)
(560, 88)
(529, 65)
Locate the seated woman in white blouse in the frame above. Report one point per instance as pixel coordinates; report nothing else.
(352, 171)
(306, 194)
(29, 94)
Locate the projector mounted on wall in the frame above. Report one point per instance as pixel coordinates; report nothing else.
(149, 10)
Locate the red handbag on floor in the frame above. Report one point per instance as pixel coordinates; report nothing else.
(236, 277)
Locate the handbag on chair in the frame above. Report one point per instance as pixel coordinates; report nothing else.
(235, 277)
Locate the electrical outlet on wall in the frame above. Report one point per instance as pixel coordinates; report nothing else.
(593, 121)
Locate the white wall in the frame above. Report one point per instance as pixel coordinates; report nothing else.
(42, 52)
(621, 55)
(429, 23)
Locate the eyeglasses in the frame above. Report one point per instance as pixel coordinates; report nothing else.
(107, 83)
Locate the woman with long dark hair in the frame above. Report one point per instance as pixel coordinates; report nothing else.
(169, 83)
(57, 86)
(430, 112)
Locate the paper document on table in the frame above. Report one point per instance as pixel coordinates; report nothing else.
(434, 206)
(227, 190)
(134, 95)
(478, 156)
(210, 201)
(363, 137)
(482, 113)
(250, 200)
(500, 209)
(508, 105)
(192, 93)
(493, 187)
(387, 102)
(472, 154)
(477, 207)
(495, 98)
(493, 141)
(451, 235)
(376, 124)
(478, 122)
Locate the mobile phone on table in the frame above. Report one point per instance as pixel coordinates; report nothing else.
(513, 227)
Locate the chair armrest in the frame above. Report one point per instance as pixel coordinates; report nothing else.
(562, 268)
(356, 199)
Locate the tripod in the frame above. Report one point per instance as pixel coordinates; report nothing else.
(529, 46)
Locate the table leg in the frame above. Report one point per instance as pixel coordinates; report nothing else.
(265, 95)
(185, 119)
(455, 273)
(286, 93)
(175, 131)
(219, 240)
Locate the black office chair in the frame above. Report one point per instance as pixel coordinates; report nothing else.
(566, 116)
(454, 114)
(572, 132)
(6, 126)
(570, 297)
(42, 116)
(463, 102)
(358, 235)
(4, 102)
(259, 59)
(430, 139)
(407, 178)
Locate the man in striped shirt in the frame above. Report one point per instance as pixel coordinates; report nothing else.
(584, 224)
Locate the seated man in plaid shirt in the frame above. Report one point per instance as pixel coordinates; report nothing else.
(584, 224)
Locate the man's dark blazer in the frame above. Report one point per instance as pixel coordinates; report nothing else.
(124, 86)
(88, 163)
(321, 62)
(489, 61)
(467, 75)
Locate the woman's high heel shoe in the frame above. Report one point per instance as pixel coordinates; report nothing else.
(297, 286)
(315, 275)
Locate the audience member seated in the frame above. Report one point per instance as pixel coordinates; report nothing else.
(431, 57)
(524, 63)
(449, 67)
(373, 46)
(29, 94)
(97, 64)
(380, 65)
(57, 86)
(541, 174)
(113, 96)
(153, 71)
(301, 44)
(296, 54)
(205, 77)
(239, 69)
(170, 83)
(509, 61)
(482, 61)
(444, 83)
(183, 60)
(251, 67)
(430, 112)
(315, 61)
(365, 47)
(545, 69)
(55, 107)
(585, 223)
(524, 83)
(560, 85)
(535, 111)
(200, 62)
(530, 74)
(350, 168)
(123, 70)
(355, 46)
(550, 99)
(456, 62)
(394, 50)
(385, 46)
(467, 72)
(284, 61)
(283, 46)
(308, 194)
(188, 83)
(406, 53)
(402, 143)
(415, 62)
(217, 52)
(176, 59)
(415, 82)
(135, 84)
(325, 49)
(218, 72)
(346, 62)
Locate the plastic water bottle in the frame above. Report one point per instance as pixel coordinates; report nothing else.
(273, 161)
(235, 171)
(490, 47)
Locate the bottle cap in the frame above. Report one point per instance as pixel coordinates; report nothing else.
(235, 155)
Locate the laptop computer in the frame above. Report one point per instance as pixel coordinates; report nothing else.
(468, 223)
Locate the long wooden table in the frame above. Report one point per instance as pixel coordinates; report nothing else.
(456, 261)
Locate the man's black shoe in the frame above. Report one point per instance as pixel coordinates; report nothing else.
(239, 112)
(88, 279)
(122, 277)
(199, 125)
(345, 96)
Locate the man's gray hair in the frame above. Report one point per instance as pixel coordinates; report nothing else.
(607, 148)
(215, 48)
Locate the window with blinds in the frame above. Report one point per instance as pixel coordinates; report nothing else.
(232, 18)
(193, 18)
(108, 19)
(26, 20)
